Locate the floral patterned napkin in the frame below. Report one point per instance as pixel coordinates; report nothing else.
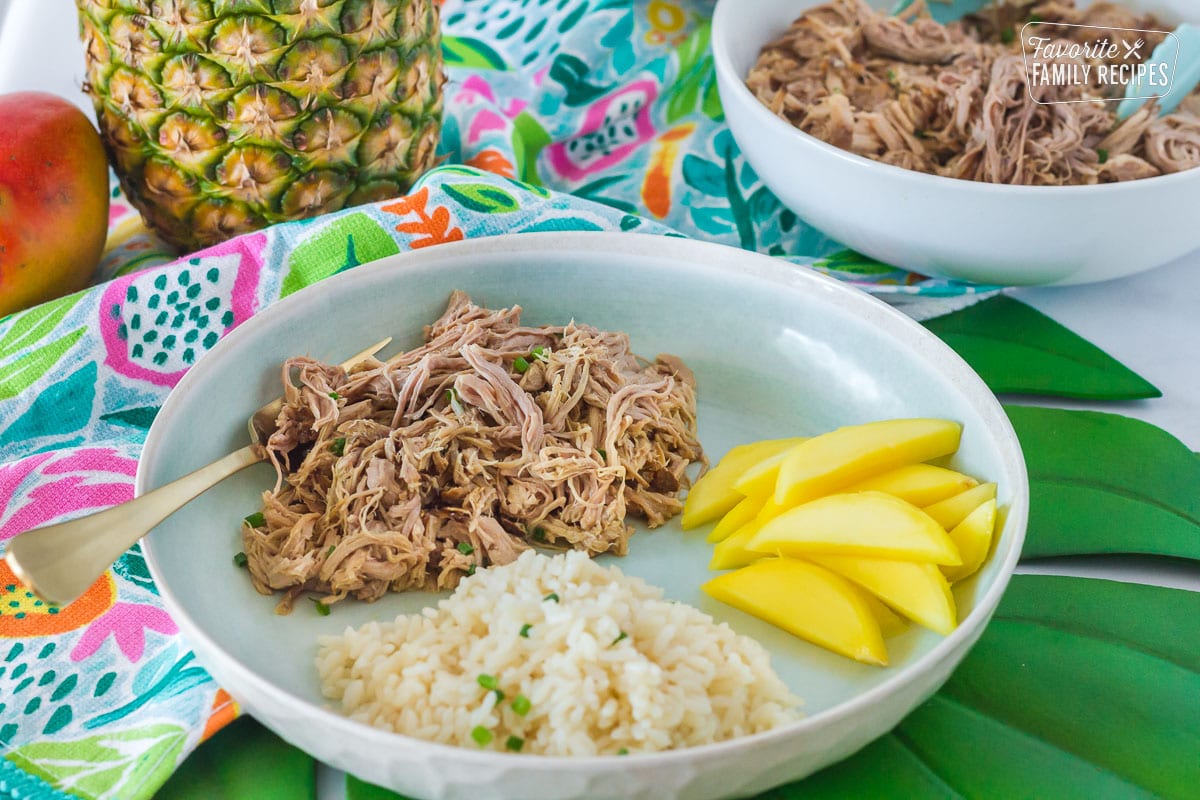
(561, 115)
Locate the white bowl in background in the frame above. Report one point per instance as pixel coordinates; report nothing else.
(776, 350)
(986, 233)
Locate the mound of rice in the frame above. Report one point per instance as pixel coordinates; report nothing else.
(597, 662)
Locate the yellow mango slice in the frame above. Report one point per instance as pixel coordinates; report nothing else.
(973, 538)
(731, 552)
(736, 517)
(919, 484)
(759, 479)
(832, 461)
(890, 623)
(863, 523)
(805, 600)
(714, 495)
(953, 510)
(918, 590)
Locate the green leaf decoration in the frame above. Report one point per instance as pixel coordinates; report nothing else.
(27, 327)
(465, 51)
(1017, 349)
(703, 176)
(481, 197)
(244, 761)
(850, 262)
(345, 243)
(737, 204)
(17, 376)
(571, 73)
(133, 417)
(129, 764)
(1078, 688)
(529, 139)
(1105, 483)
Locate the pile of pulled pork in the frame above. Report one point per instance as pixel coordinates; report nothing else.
(463, 452)
(954, 100)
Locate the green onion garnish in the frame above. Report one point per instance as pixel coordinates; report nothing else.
(521, 705)
(471, 570)
(514, 743)
(329, 552)
(524, 634)
(240, 560)
(539, 534)
(322, 609)
(603, 454)
(1103, 154)
(552, 596)
(481, 735)
(624, 751)
(256, 520)
(335, 396)
(499, 695)
(623, 635)
(538, 353)
(466, 548)
(487, 681)
(520, 365)
(339, 446)
(1008, 36)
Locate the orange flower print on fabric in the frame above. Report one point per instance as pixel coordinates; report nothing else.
(428, 228)
(493, 161)
(656, 188)
(23, 615)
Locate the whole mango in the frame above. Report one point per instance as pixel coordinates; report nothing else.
(53, 199)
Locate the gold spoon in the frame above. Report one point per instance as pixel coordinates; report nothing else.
(59, 562)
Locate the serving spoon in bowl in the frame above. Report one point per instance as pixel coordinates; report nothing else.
(59, 562)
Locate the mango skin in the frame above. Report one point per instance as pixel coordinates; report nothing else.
(53, 199)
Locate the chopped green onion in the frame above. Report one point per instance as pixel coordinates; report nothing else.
(920, 134)
(322, 609)
(499, 695)
(453, 400)
(1103, 154)
(624, 751)
(466, 548)
(487, 681)
(335, 396)
(603, 454)
(481, 735)
(1035, 18)
(521, 705)
(539, 534)
(329, 552)
(256, 520)
(1008, 36)
(623, 635)
(471, 570)
(520, 365)
(552, 596)
(339, 446)
(891, 75)
(514, 743)
(240, 560)
(538, 353)
(524, 634)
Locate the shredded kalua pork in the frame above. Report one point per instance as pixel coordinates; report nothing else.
(954, 100)
(461, 453)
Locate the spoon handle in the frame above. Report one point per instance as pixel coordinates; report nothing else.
(59, 562)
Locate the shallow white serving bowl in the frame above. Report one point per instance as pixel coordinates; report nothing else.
(777, 351)
(1007, 235)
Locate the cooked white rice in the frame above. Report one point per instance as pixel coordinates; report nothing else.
(675, 679)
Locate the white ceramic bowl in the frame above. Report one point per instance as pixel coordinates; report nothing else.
(1008, 235)
(776, 350)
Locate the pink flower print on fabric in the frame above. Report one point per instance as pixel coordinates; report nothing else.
(157, 323)
(612, 130)
(87, 485)
(127, 623)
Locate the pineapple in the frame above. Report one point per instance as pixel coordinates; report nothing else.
(222, 116)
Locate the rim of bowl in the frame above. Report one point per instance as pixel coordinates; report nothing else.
(704, 255)
(723, 60)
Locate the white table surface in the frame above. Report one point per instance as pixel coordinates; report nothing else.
(1150, 322)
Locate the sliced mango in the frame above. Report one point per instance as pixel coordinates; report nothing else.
(731, 552)
(890, 623)
(759, 478)
(736, 517)
(832, 461)
(953, 510)
(919, 484)
(714, 495)
(808, 601)
(973, 538)
(918, 590)
(863, 523)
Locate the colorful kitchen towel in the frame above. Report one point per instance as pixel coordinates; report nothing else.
(561, 115)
